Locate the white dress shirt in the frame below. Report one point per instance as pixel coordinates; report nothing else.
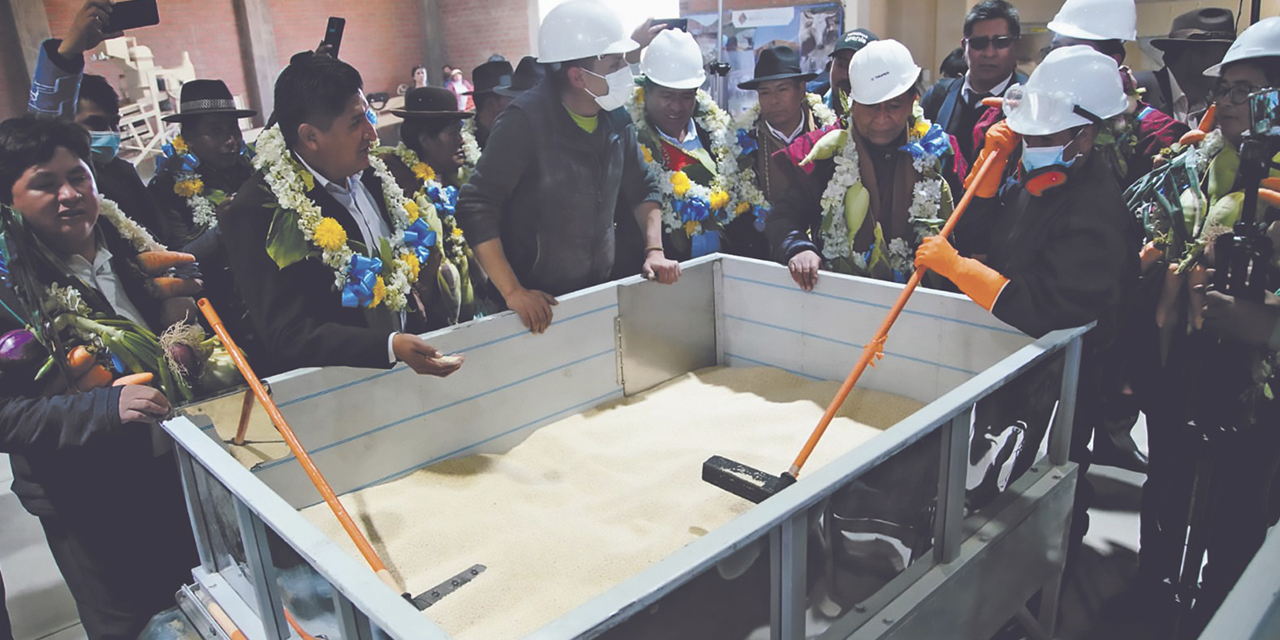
(357, 200)
(691, 140)
(794, 134)
(968, 92)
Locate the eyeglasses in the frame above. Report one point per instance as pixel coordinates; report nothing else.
(982, 42)
(1235, 94)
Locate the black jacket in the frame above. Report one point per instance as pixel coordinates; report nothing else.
(1070, 255)
(944, 105)
(119, 182)
(297, 312)
(70, 454)
(549, 191)
(177, 226)
(1159, 90)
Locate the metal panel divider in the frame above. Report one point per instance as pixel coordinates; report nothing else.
(1060, 435)
(195, 510)
(258, 557)
(949, 516)
(788, 552)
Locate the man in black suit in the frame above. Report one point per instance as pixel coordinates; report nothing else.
(299, 309)
(991, 30)
(1197, 40)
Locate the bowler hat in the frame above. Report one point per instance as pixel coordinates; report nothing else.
(777, 63)
(524, 79)
(1203, 26)
(490, 76)
(431, 102)
(205, 97)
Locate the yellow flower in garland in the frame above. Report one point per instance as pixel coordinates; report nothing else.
(411, 210)
(719, 200)
(742, 208)
(330, 236)
(424, 172)
(692, 227)
(415, 265)
(457, 232)
(180, 146)
(648, 155)
(379, 293)
(188, 188)
(680, 184)
(920, 130)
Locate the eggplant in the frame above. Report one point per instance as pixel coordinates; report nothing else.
(21, 354)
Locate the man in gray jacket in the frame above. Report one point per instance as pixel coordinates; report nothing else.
(539, 209)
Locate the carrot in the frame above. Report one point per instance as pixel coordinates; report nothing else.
(1209, 118)
(165, 287)
(138, 378)
(993, 101)
(1149, 256)
(1191, 137)
(1169, 294)
(1197, 280)
(97, 377)
(1272, 183)
(154, 263)
(79, 361)
(1272, 198)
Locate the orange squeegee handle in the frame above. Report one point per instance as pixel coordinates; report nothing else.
(295, 446)
(875, 346)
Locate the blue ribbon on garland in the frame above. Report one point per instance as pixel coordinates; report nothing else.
(934, 143)
(362, 276)
(745, 141)
(445, 199)
(420, 237)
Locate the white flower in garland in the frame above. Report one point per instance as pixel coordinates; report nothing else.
(127, 228)
(290, 181)
(470, 145)
(450, 236)
(837, 237)
(823, 116)
(731, 193)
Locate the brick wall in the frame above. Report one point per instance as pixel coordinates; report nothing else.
(476, 30)
(382, 38)
(206, 29)
(14, 85)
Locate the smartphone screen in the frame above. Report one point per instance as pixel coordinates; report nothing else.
(673, 23)
(333, 34)
(132, 14)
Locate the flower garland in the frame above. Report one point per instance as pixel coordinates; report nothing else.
(927, 143)
(188, 185)
(435, 201)
(695, 208)
(823, 116)
(131, 231)
(364, 281)
(741, 144)
(470, 145)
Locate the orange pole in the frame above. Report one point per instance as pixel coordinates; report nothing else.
(875, 347)
(295, 446)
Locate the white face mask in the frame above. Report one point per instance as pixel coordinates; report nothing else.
(1036, 158)
(620, 85)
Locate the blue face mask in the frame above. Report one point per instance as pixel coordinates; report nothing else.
(1037, 158)
(104, 145)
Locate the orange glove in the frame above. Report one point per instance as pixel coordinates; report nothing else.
(978, 281)
(999, 138)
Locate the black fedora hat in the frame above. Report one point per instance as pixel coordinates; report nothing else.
(777, 63)
(204, 97)
(431, 102)
(525, 78)
(1202, 26)
(490, 76)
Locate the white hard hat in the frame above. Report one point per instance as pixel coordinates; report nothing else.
(1074, 86)
(1097, 20)
(1262, 40)
(880, 71)
(674, 60)
(581, 29)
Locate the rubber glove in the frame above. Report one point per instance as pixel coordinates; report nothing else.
(978, 281)
(999, 138)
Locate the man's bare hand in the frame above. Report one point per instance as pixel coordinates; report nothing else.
(643, 35)
(658, 267)
(424, 358)
(533, 307)
(140, 403)
(86, 29)
(804, 269)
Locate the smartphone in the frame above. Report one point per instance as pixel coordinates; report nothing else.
(673, 23)
(333, 34)
(131, 14)
(1264, 113)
